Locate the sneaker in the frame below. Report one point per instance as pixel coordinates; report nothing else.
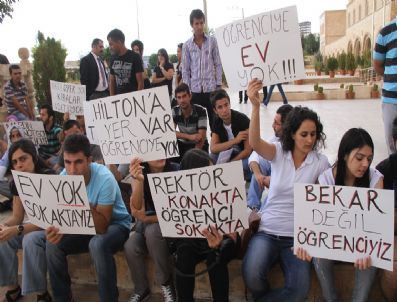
(140, 298)
(46, 297)
(168, 293)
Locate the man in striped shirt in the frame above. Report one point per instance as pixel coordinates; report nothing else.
(16, 96)
(201, 64)
(385, 63)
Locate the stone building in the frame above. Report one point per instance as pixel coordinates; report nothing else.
(355, 28)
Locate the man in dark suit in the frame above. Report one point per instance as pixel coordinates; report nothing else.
(93, 73)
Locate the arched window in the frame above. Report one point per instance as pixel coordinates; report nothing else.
(348, 20)
(359, 12)
(375, 5)
(354, 16)
(366, 7)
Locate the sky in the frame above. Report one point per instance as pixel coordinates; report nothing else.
(162, 23)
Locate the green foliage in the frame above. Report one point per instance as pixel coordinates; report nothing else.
(318, 62)
(350, 62)
(107, 55)
(6, 9)
(48, 64)
(366, 59)
(375, 87)
(332, 64)
(320, 89)
(310, 44)
(152, 61)
(342, 61)
(359, 61)
(173, 59)
(351, 88)
(342, 86)
(315, 87)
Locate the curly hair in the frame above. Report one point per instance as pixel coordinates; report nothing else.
(294, 120)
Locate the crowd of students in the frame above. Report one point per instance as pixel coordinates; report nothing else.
(292, 156)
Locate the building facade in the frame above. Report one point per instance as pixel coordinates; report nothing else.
(305, 28)
(354, 29)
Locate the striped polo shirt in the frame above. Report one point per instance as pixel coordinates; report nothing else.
(53, 146)
(386, 51)
(197, 120)
(19, 92)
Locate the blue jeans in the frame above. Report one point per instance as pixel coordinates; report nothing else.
(34, 267)
(269, 94)
(255, 191)
(262, 253)
(362, 284)
(101, 248)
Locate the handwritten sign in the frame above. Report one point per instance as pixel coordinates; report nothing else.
(188, 201)
(33, 130)
(345, 223)
(67, 97)
(132, 124)
(55, 200)
(265, 46)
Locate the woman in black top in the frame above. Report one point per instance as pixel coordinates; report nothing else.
(163, 73)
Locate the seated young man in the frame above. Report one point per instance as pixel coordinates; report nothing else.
(111, 219)
(230, 132)
(191, 120)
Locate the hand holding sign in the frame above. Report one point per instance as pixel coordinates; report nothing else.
(53, 235)
(253, 92)
(136, 169)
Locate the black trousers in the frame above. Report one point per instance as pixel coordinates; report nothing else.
(204, 100)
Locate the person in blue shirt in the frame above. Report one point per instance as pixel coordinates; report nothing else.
(111, 219)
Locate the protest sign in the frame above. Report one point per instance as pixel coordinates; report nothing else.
(136, 124)
(345, 223)
(189, 201)
(68, 97)
(33, 130)
(266, 46)
(55, 200)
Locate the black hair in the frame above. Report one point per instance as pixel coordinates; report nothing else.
(96, 42)
(139, 44)
(180, 45)
(218, 95)
(27, 146)
(196, 14)
(292, 123)
(116, 35)
(283, 111)
(394, 129)
(49, 109)
(182, 88)
(195, 158)
(164, 53)
(76, 143)
(13, 67)
(352, 139)
(70, 124)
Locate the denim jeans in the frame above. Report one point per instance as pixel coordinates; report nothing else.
(246, 168)
(362, 284)
(101, 248)
(34, 267)
(264, 251)
(255, 191)
(269, 95)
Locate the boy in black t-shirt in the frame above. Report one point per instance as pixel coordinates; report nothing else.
(126, 66)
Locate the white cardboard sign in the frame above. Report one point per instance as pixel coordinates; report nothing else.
(55, 200)
(266, 46)
(137, 124)
(345, 223)
(189, 201)
(34, 130)
(68, 97)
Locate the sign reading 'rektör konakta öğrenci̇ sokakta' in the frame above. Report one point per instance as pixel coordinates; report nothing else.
(345, 223)
(137, 124)
(55, 200)
(266, 46)
(189, 201)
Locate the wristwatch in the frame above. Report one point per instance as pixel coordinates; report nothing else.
(20, 229)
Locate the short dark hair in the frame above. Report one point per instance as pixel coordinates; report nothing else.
(218, 95)
(70, 124)
(49, 109)
(13, 67)
(283, 111)
(182, 88)
(180, 45)
(116, 35)
(293, 122)
(195, 158)
(139, 44)
(394, 129)
(76, 143)
(196, 14)
(164, 53)
(95, 42)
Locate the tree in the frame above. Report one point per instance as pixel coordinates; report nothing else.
(48, 64)
(152, 60)
(6, 9)
(173, 59)
(310, 44)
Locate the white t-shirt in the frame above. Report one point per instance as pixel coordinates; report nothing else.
(277, 215)
(255, 157)
(327, 178)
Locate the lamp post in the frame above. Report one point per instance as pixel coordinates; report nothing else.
(137, 17)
